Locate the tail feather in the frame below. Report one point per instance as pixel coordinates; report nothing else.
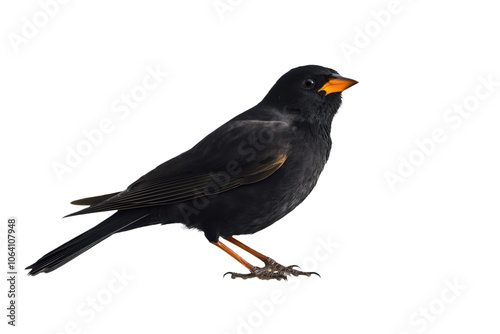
(84, 242)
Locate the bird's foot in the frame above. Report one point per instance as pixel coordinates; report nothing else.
(272, 270)
(275, 266)
(261, 273)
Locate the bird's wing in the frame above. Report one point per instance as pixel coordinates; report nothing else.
(238, 153)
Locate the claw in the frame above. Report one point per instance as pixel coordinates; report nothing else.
(315, 273)
(235, 275)
(293, 266)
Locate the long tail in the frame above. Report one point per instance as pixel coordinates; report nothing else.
(71, 249)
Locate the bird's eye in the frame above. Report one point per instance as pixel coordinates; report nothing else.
(308, 83)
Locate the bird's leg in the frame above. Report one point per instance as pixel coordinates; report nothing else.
(270, 264)
(261, 273)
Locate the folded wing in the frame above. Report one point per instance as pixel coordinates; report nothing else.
(238, 153)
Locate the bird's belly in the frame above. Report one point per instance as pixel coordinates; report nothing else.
(257, 206)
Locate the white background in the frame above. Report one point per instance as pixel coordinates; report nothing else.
(397, 248)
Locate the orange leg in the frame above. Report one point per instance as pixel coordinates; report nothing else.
(258, 255)
(233, 254)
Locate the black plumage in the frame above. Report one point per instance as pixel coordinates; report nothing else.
(241, 178)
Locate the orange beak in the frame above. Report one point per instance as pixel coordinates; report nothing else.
(337, 84)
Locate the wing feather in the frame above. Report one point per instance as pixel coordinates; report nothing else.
(200, 174)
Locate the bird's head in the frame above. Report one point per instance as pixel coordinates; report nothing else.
(309, 92)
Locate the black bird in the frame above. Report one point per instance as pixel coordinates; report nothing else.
(240, 179)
